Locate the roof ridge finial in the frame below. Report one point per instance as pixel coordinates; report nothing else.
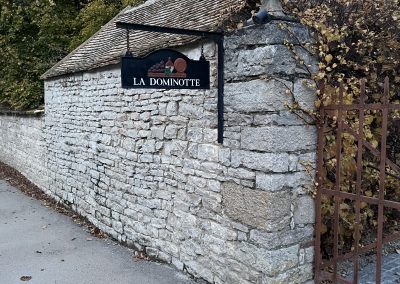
(273, 7)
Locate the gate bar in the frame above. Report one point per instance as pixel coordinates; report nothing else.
(366, 199)
(362, 250)
(217, 37)
(371, 148)
(382, 180)
(361, 118)
(338, 180)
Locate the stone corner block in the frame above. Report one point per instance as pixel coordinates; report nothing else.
(259, 209)
(279, 182)
(279, 139)
(304, 211)
(257, 95)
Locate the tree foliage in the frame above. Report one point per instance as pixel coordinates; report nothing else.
(354, 40)
(95, 14)
(34, 35)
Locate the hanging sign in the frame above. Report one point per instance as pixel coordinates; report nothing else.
(165, 69)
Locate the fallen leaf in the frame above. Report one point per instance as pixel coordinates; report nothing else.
(328, 58)
(140, 256)
(26, 278)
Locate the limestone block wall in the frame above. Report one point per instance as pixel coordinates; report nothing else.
(23, 146)
(145, 167)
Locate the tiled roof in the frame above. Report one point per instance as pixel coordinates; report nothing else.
(108, 45)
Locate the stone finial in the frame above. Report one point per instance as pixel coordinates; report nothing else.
(274, 7)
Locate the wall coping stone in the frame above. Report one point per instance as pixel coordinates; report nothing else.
(9, 112)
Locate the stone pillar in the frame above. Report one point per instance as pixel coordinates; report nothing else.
(266, 138)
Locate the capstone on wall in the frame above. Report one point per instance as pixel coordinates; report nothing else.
(144, 165)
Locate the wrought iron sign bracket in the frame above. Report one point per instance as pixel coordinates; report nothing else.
(217, 37)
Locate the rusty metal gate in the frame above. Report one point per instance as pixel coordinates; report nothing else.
(341, 189)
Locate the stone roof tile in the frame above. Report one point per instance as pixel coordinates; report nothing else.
(108, 45)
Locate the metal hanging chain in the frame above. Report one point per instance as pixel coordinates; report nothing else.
(128, 48)
(202, 57)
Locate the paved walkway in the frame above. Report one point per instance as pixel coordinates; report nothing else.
(390, 273)
(40, 243)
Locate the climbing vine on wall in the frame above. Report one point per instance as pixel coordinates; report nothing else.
(354, 40)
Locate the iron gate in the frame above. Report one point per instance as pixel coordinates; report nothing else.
(335, 197)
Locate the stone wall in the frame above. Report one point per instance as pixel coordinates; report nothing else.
(145, 167)
(23, 146)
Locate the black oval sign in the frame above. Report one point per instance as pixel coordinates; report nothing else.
(165, 69)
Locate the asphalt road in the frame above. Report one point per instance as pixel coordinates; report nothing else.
(41, 246)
